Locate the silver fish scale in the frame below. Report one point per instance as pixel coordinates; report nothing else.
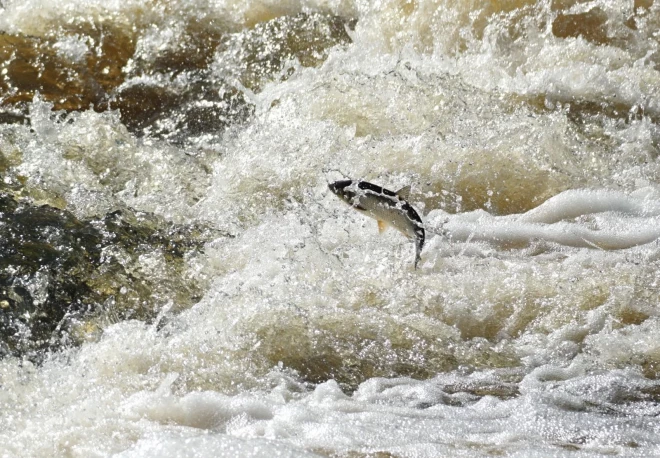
(383, 205)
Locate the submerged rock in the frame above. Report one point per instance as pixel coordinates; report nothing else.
(177, 113)
(258, 55)
(192, 84)
(46, 255)
(61, 278)
(73, 69)
(186, 91)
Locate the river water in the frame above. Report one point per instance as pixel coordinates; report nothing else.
(178, 280)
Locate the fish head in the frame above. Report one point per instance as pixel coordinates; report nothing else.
(344, 189)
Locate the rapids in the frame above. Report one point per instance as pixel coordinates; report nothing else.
(176, 279)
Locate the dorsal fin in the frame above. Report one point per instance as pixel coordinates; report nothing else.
(404, 192)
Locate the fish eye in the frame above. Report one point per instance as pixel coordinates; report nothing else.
(340, 185)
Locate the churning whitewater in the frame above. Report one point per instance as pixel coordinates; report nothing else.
(178, 280)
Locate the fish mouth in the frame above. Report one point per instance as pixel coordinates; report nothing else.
(338, 187)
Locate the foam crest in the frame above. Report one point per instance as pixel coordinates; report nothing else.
(601, 219)
(35, 17)
(94, 165)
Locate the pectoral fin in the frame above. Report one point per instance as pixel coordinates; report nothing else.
(404, 192)
(382, 225)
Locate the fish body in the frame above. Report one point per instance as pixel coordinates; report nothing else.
(389, 208)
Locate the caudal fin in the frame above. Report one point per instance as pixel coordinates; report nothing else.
(418, 253)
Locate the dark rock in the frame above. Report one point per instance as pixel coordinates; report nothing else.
(59, 274)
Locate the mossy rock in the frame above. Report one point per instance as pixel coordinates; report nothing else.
(58, 273)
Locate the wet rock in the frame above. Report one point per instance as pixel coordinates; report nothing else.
(592, 25)
(177, 113)
(62, 278)
(170, 91)
(45, 255)
(141, 105)
(185, 87)
(190, 47)
(155, 102)
(257, 55)
(73, 68)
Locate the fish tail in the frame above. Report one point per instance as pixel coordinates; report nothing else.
(419, 244)
(418, 253)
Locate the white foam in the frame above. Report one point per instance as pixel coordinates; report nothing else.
(216, 445)
(623, 222)
(73, 48)
(573, 203)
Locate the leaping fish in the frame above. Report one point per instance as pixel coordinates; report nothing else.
(387, 207)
